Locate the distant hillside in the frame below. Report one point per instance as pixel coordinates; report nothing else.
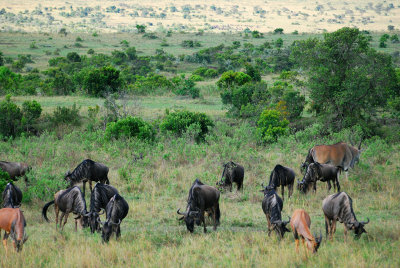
(217, 16)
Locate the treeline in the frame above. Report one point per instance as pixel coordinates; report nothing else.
(338, 81)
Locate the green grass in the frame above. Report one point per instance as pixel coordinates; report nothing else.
(156, 186)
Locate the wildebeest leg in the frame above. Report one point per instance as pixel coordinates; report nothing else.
(283, 192)
(333, 228)
(329, 185)
(269, 225)
(118, 232)
(203, 219)
(315, 186)
(296, 240)
(65, 221)
(214, 218)
(290, 189)
(327, 226)
(337, 184)
(90, 185)
(56, 210)
(5, 237)
(61, 220)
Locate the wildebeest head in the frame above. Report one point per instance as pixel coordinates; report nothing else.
(266, 189)
(189, 217)
(358, 228)
(18, 238)
(312, 174)
(94, 221)
(280, 227)
(227, 173)
(317, 241)
(108, 229)
(67, 176)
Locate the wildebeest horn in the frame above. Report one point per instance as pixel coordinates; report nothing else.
(99, 221)
(180, 213)
(113, 223)
(87, 214)
(286, 222)
(363, 222)
(101, 213)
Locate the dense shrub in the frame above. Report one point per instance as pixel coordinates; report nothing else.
(98, 82)
(9, 80)
(4, 179)
(270, 125)
(31, 111)
(185, 87)
(130, 127)
(65, 115)
(205, 72)
(231, 78)
(180, 121)
(151, 84)
(73, 57)
(10, 118)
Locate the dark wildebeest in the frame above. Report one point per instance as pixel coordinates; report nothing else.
(201, 198)
(12, 196)
(67, 201)
(272, 206)
(339, 207)
(12, 221)
(101, 195)
(116, 210)
(282, 176)
(339, 155)
(233, 173)
(323, 172)
(15, 169)
(90, 171)
(300, 223)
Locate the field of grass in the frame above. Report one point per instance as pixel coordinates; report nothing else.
(157, 185)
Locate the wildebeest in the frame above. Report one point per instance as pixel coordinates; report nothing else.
(201, 198)
(90, 171)
(282, 176)
(67, 201)
(339, 155)
(272, 206)
(12, 196)
(99, 198)
(300, 223)
(323, 172)
(339, 207)
(233, 173)
(12, 221)
(15, 169)
(116, 210)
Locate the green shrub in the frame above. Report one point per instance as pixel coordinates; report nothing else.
(10, 118)
(270, 126)
(151, 84)
(130, 127)
(65, 115)
(9, 81)
(231, 78)
(196, 78)
(98, 82)
(179, 122)
(73, 57)
(211, 73)
(31, 111)
(4, 179)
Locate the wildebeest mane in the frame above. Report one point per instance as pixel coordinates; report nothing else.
(100, 197)
(79, 203)
(346, 214)
(276, 205)
(82, 170)
(12, 196)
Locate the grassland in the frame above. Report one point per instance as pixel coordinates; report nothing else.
(157, 185)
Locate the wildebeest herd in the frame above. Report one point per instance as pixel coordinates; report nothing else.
(323, 163)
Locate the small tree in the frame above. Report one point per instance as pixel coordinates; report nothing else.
(10, 118)
(270, 125)
(97, 82)
(278, 31)
(63, 31)
(141, 28)
(31, 111)
(73, 57)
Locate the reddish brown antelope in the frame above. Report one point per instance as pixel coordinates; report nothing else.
(12, 221)
(300, 223)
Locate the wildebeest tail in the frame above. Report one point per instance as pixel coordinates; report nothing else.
(217, 214)
(44, 210)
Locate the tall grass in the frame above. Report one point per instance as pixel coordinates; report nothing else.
(157, 185)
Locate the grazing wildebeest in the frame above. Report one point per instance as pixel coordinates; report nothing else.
(300, 223)
(201, 198)
(339, 207)
(99, 199)
(90, 171)
(12, 196)
(67, 201)
(12, 221)
(339, 155)
(282, 176)
(15, 169)
(323, 172)
(272, 206)
(233, 173)
(116, 210)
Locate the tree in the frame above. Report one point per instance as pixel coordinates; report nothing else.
(1, 59)
(9, 81)
(141, 28)
(347, 80)
(278, 31)
(73, 57)
(63, 31)
(98, 82)
(271, 125)
(10, 118)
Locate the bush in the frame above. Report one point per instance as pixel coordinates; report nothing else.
(31, 111)
(130, 127)
(10, 118)
(185, 87)
(73, 57)
(196, 78)
(98, 82)
(231, 78)
(65, 115)
(4, 179)
(180, 121)
(152, 84)
(9, 81)
(270, 126)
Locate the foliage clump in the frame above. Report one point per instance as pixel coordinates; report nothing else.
(130, 127)
(179, 122)
(271, 125)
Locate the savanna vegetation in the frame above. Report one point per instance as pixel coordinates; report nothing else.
(161, 118)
